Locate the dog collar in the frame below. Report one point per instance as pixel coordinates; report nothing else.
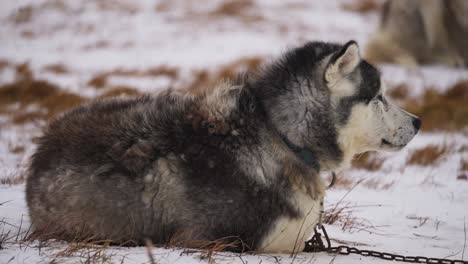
(305, 154)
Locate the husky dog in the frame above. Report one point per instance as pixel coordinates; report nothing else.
(416, 32)
(238, 164)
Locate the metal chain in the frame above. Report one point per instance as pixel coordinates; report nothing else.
(316, 244)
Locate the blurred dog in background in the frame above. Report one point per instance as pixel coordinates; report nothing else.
(413, 32)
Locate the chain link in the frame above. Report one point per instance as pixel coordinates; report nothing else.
(316, 244)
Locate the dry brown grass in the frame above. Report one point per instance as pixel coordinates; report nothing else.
(463, 165)
(368, 161)
(243, 11)
(463, 148)
(57, 68)
(100, 44)
(234, 7)
(162, 6)
(22, 15)
(123, 6)
(81, 244)
(98, 81)
(463, 169)
(13, 179)
(87, 252)
(341, 214)
(377, 184)
(23, 71)
(207, 250)
(363, 6)
(120, 91)
(333, 214)
(426, 156)
(15, 148)
(243, 64)
(205, 81)
(342, 181)
(17, 98)
(4, 64)
(442, 111)
(29, 34)
(399, 92)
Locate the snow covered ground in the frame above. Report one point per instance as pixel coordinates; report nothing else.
(404, 206)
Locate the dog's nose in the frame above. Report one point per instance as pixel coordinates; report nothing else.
(417, 123)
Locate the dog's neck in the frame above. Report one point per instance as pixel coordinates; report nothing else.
(321, 152)
(303, 153)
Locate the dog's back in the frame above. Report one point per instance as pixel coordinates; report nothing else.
(87, 164)
(163, 168)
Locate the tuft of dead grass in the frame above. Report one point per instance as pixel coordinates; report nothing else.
(377, 184)
(4, 64)
(247, 64)
(13, 179)
(463, 148)
(27, 99)
(463, 165)
(368, 161)
(28, 34)
(333, 214)
(462, 177)
(363, 6)
(23, 71)
(234, 7)
(399, 92)
(342, 181)
(100, 44)
(242, 10)
(57, 68)
(79, 244)
(205, 81)
(121, 91)
(98, 81)
(127, 7)
(88, 252)
(342, 214)
(162, 6)
(373, 183)
(442, 111)
(22, 15)
(426, 156)
(207, 250)
(16, 149)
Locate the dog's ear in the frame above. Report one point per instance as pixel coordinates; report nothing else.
(343, 62)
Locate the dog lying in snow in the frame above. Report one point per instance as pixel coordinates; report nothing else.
(239, 163)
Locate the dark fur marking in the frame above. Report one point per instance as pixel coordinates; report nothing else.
(369, 87)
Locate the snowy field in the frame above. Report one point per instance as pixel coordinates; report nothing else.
(414, 202)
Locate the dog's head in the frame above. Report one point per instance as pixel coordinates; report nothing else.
(367, 119)
(325, 98)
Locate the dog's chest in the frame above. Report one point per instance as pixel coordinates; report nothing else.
(289, 234)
